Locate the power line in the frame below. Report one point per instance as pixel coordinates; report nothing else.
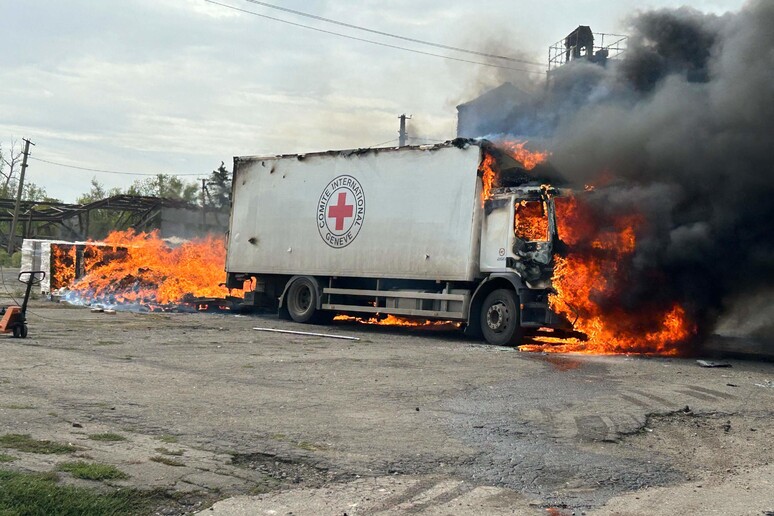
(372, 41)
(106, 171)
(382, 143)
(390, 35)
(429, 140)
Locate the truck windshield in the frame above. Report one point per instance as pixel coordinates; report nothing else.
(531, 221)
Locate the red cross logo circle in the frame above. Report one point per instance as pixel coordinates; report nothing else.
(341, 211)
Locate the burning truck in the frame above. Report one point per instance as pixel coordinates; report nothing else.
(458, 231)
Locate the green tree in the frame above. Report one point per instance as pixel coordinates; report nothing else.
(97, 192)
(166, 186)
(219, 187)
(102, 222)
(33, 192)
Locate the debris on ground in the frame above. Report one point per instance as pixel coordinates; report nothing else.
(710, 363)
(307, 333)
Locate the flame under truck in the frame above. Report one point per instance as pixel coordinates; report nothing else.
(403, 231)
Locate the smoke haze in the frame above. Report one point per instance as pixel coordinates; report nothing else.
(682, 131)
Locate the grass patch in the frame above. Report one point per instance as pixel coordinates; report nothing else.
(108, 436)
(92, 471)
(166, 460)
(25, 443)
(6, 458)
(28, 494)
(166, 438)
(166, 451)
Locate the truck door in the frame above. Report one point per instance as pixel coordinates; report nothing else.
(496, 231)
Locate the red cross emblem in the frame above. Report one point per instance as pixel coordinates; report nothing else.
(341, 210)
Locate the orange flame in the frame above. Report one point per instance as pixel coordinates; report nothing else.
(488, 175)
(489, 168)
(93, 255)
(588, 280)
(63, 274)
(531, 223)
(392, 320)
(516, 150)
(145, 270)
(64, 258)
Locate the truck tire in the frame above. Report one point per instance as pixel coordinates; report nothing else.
(300, 301)
(500, 321)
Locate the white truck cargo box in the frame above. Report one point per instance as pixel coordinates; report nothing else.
(409, 213)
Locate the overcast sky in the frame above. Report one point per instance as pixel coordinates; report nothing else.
(177, 86)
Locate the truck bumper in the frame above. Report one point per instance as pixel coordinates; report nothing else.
(535, 312)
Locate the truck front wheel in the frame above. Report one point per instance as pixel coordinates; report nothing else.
(500, 318)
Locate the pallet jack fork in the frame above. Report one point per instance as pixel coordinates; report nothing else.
(15, 317)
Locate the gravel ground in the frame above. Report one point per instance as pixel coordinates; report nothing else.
(400, 421)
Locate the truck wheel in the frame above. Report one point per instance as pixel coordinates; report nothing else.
(17, 331)
(300, 300)
(23, 333)
(500, 318)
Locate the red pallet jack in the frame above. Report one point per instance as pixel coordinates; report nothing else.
(15, 317)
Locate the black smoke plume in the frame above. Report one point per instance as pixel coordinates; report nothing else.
(682, 129)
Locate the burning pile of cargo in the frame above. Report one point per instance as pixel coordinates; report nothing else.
(140, 271)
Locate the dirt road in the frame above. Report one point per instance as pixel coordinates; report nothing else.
(400, 421)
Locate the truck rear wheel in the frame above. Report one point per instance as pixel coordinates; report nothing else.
(301, 302)
(500, 322)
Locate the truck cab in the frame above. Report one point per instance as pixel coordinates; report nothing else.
(518, 239)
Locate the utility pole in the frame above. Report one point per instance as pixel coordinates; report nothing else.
(12, 233)
(402, 133)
